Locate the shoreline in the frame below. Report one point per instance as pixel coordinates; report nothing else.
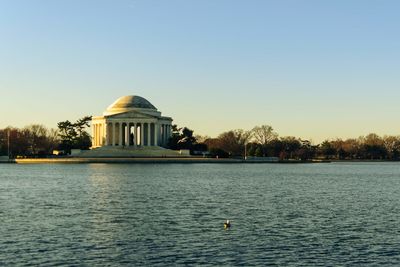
(171, 160)
(151, 161)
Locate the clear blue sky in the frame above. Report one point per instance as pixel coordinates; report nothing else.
(313, 69)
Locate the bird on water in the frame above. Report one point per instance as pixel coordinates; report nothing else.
(227, 224)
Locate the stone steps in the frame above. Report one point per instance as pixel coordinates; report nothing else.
(129, 152)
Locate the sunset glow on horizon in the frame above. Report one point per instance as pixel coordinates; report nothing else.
(312, 69)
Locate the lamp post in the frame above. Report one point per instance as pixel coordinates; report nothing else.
(8, 143)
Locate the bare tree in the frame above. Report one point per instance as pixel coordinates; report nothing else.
(242, 136)
(40, 139)
(201, 138)
(234, 141)
(392, 145)
(37, 137)
(263, 135)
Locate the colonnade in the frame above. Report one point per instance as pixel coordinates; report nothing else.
(125, 133)
(99, 132)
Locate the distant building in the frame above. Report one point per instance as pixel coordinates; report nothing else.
(131, 121)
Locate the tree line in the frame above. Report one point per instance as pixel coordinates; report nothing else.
(263, 141)
(38, 141)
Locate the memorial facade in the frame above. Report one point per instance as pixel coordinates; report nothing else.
(131, 121)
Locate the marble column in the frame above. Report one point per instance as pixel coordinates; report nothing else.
(155, 135)
(148, 134)
(141, 134)
(164, 133)
(94, 135)
(97, 134)
(135, 135)
(125, 135)
(161, 135)
(168, 128)
(100, 135)
(128, 133)
(113, 130)
(133, 132)
(102, 141)
(106, 130)
(120, 134)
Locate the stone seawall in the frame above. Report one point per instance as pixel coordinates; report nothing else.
(127, 160)
(148, 160)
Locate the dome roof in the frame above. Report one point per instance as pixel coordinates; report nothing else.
(131, 101)
(127, 103)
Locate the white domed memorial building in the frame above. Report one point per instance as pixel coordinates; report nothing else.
(131, 126)
(131, 121)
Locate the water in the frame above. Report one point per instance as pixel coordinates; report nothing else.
(173, 214)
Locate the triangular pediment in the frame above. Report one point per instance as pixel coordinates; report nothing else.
(132, 115)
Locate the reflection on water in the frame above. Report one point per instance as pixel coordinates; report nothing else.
(99, 214)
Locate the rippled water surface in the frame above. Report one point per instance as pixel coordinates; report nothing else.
(172, 214)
